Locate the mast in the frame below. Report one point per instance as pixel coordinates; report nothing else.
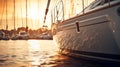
(26, 18)
(14, 16)
(6, 17)
(47, 8)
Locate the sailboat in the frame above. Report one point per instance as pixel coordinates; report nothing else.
(24, 35)
(6, 36)
(94, 33)
(1, 32)
(14, 36)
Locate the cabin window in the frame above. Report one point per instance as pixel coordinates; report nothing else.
(106, 1)
(99, 3)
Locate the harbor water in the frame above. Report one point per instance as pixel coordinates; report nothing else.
(36, 53)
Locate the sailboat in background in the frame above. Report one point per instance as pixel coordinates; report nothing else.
(1, 32)
(6, 36)
(14, 36)
(24, 35)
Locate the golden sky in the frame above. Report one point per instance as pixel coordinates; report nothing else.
(35, 12)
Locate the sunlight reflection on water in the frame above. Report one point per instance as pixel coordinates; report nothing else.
(41, 50)
(26, 53)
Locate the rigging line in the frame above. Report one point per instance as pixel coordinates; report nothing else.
(60, 3)
(59, 14)
(59, 10)
(52, 12)
(55, 3)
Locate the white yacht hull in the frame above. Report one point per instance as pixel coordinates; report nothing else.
(95, 34)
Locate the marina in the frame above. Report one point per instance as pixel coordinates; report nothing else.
(60, 33)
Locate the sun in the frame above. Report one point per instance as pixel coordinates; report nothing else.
(33, 13)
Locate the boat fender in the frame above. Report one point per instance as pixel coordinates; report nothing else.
(77, 26)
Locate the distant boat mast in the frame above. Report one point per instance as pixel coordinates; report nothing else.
(6, 17)
(14, 16)
(26, 18)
